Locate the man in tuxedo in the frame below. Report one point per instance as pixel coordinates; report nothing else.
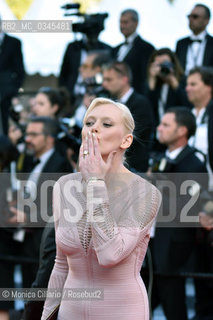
(196, 49)
(11, 75)
(33, 309)
(210, 136)
(199, 92)
(134, 51)
(47, 166)
(174, 238)
(117, 79)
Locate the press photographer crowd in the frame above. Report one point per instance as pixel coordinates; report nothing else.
(170, 96)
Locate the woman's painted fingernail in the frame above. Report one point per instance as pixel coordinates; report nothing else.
(93, 134)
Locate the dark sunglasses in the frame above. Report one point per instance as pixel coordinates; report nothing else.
(193, 16)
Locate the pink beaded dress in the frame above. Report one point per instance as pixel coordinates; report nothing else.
(99, 255)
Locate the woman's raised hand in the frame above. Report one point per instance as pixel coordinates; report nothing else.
(91, 163)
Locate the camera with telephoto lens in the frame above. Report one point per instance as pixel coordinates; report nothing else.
(91, 24)
(93, 86)
(166, 68)
(69, 133)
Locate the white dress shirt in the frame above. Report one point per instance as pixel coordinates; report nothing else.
(200, 139)
(195, 52)
(173, 154)
(126, 96)
(36, 172)
(126, 47)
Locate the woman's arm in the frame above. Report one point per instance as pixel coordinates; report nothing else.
(115, 238)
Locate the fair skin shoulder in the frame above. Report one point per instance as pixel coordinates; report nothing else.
(104, 137)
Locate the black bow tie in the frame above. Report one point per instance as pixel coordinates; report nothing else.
(126, 42)
(195, 40)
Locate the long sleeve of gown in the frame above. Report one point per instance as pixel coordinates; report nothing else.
(60, 270)
(119, 226)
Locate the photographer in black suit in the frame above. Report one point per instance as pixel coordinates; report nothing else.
(11, 74)
(134, 51)
(197, 49)
(117, 80)
(199, 90)
(77, 51)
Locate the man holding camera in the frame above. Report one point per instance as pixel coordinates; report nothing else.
(165, 83)
(77, 51)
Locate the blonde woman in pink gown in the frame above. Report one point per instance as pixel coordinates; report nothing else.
(103, 215)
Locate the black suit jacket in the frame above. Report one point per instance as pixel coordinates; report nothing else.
(176, 97)
(33, 309)
(210, 132)
(137, 59)
(138, 154)
(11, 75)
(11, 66)
(71, 62)
(182, 47)
(39, 210)
(174, 241)
(54, 168)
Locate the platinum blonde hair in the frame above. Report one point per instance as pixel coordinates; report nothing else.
(127, 117)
